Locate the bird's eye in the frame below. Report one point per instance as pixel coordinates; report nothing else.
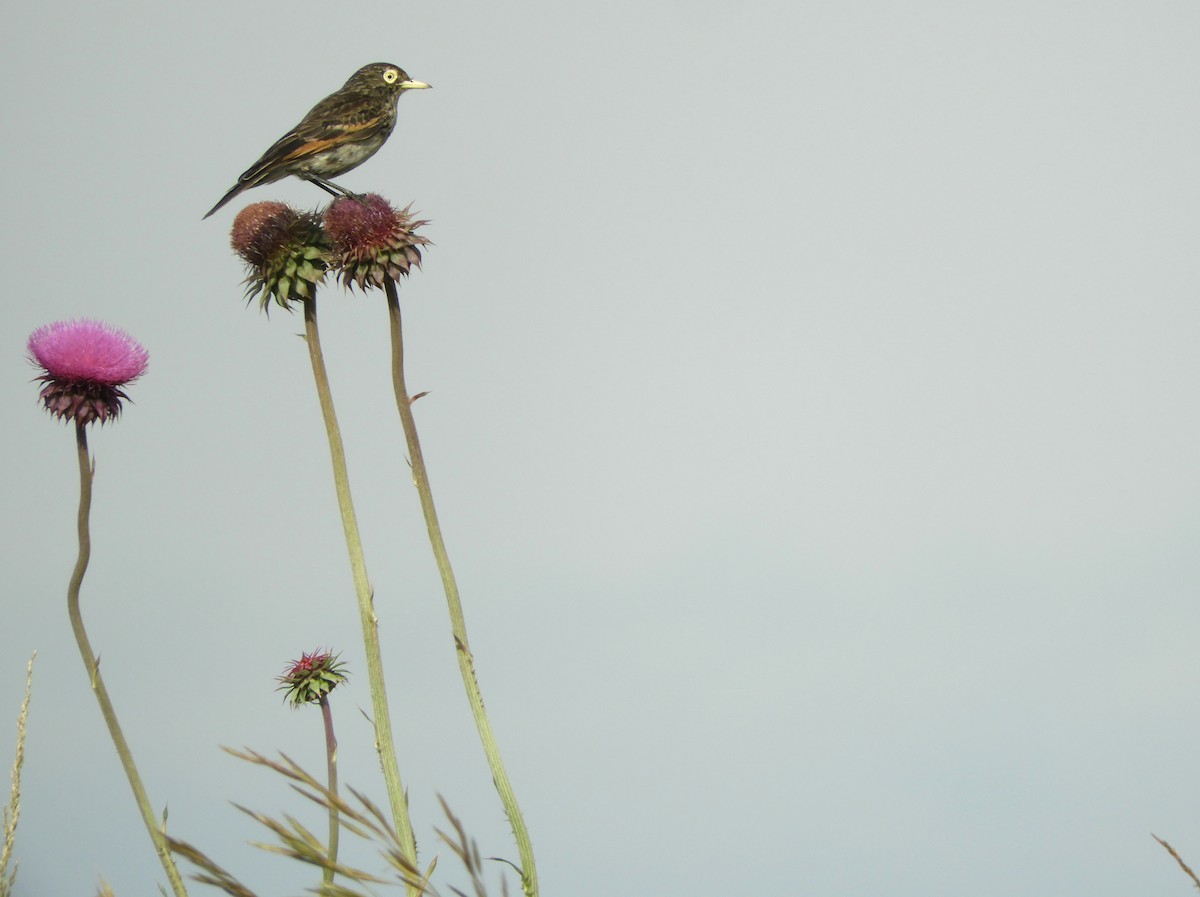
(390, 76)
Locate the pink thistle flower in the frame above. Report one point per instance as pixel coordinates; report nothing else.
(85, 363)
(372, 240)
(309, 679)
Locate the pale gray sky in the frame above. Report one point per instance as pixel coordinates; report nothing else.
(812, 419)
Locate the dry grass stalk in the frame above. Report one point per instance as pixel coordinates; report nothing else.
(1178, 859)
(12, 813)
(359, 817)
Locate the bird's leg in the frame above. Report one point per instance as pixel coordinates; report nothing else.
(328, 186)
(331, 188)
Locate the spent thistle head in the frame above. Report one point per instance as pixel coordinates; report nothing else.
(284, 250)
(372, 240)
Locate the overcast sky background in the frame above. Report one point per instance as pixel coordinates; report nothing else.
(812, 419)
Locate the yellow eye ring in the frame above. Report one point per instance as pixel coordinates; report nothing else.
(390, 76)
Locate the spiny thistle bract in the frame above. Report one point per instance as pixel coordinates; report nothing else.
(372, 240)
(285, 250)
(312, 677)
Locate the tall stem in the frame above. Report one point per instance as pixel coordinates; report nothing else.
(331, 784)
(458, 624)
(87, 472)
(363, 591)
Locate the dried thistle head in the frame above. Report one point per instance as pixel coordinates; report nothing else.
(285, 251)
(372, 240)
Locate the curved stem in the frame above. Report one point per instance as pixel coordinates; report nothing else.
(331, 784)
(362, 589)
(87, 472)
(458, 624)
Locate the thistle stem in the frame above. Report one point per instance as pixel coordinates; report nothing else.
(87, 472)
(362, 589)
(458, 624)
(332, 784)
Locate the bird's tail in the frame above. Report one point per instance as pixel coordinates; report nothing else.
(233, 191)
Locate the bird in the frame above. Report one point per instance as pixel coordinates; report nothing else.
(338, 134)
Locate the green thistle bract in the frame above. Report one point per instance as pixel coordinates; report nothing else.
(285, 250)
(309, 679)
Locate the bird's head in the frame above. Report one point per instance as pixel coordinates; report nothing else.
(385, 77)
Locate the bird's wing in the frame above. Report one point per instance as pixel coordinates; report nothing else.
(332, 121)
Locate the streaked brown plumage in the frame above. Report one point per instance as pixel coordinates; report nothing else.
(338, 134)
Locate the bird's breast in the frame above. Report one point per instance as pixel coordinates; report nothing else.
(336, 160)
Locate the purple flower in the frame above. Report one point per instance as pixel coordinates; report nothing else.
(85, 364)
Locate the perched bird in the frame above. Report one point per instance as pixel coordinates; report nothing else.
(338, 134)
